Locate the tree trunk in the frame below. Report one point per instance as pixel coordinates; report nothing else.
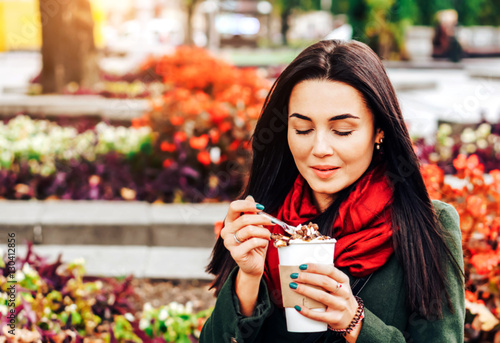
(188, 39)
(68, 50)
(285, 15)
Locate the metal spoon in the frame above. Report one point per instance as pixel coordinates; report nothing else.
(288, 228)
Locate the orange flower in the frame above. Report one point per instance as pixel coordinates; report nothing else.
(177, 120)
(204, 158)
(139, 122)
(472, 297)
(472, 162)
(434, 180)
(180, 136)
(495, 175)
(181, 94)
(253, 112)
(476, 206)
(218, 113)
(167, 163)
(460, 162)
(214, 136)
(224, 127)
(168, 147)
(485, 261)
(199, 142)
(218, 225)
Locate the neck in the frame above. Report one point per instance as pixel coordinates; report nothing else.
(322, 201)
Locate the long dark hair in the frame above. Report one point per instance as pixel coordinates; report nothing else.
(418, 239)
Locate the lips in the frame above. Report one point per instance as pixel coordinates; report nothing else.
(324, 167)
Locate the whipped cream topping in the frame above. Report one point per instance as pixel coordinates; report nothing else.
(306, 233)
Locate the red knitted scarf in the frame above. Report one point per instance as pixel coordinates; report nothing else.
(362, 227)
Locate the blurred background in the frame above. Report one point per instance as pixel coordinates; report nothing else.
(124, 136)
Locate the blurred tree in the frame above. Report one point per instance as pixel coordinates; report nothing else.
(379, 23)
(470, 12)
(489, 14)
(285, 8)
(190, 6)
(339, 6)
(68, 50)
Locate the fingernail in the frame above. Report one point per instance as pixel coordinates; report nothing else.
(259, 206)
(297, 307)
(303, 267)
(294, 275)
(293, 285)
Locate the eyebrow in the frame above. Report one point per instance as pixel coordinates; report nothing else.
(337, 117)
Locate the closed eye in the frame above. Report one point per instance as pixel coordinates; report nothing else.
(340, 133)
(343, 133)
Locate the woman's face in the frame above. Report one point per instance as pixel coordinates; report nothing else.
(331, 136)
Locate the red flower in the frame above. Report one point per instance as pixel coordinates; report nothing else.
(204, 158)
(234, 145)
(476, 206)
(214, 136)
(224, 127)
(177, 120)
(168, 147)
(199, 142)
(485, 261)
(472, 297)
(167, 163)
(180, 136)
(218, 112)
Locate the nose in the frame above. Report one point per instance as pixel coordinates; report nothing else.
(322, 147)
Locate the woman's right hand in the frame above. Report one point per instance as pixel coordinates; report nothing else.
(242, 219)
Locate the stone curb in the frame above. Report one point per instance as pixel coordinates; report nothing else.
(119, 261)
(111, 223)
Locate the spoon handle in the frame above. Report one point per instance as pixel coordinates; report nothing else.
(284, 225)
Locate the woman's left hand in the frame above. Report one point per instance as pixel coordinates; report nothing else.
(335, 294)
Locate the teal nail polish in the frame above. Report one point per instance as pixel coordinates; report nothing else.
(303, 267)
(293, 285)
(297, 307)
(260, 207)
(294, 275)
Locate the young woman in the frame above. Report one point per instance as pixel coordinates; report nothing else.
(331, 147)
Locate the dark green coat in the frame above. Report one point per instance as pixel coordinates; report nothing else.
(386, 317)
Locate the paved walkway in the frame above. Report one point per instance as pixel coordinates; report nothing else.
(171, 241)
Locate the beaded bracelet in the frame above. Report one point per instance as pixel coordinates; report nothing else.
(360, 314)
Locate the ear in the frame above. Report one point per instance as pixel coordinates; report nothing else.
(379, 135)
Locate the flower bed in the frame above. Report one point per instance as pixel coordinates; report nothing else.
(191, 147)
(54, 304)
(452, 139)
(478, 204)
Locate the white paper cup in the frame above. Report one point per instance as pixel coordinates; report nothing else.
(295, 254)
